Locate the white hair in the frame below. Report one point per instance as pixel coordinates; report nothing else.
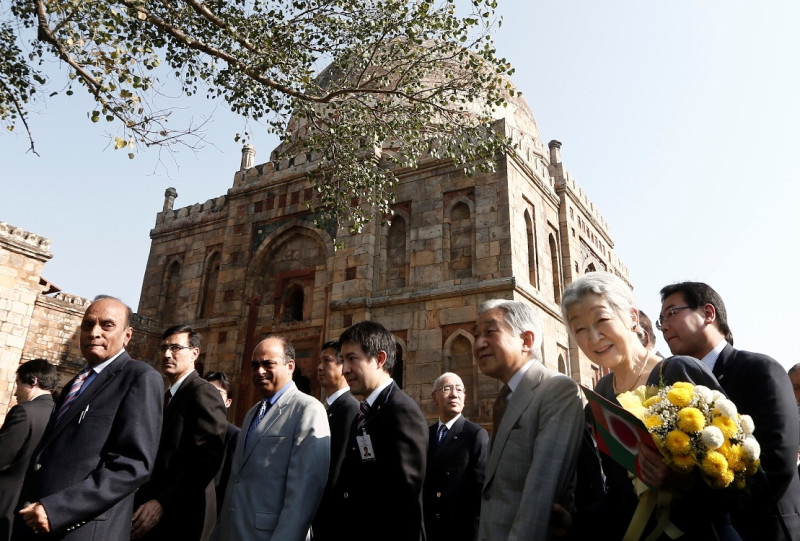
(614, 291)
(446, 375)
(520, 317)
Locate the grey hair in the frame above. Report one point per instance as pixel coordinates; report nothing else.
(616, 293)
(446, 375)
(520, 317)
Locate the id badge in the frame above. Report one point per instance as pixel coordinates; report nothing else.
(365, 448)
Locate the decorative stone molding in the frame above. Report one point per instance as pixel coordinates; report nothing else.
(25, 242)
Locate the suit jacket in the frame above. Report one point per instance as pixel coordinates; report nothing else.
(88, 464)
(277, 481)
(224, 472)
(189, 455)
(532, 459)
(340, 419)
(21, 432)
(760, 387)
(385, 494)
(452, 492)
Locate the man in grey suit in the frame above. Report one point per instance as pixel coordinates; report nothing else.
(282, 455)
(538, 421)
(21, 432)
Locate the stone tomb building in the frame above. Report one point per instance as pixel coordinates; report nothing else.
(250, 262)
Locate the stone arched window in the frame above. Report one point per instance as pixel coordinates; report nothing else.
(172, 280)
(533, 256)
(210, 281)
(590, 268)
(293, 299)
(555, 267)
(460, 362)
(396, 253)
(562, 366)
(460, 241)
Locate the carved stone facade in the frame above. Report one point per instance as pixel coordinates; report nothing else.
(250, 263)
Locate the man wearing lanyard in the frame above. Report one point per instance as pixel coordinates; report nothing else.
(379, 488)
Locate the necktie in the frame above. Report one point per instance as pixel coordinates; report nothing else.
(256, 420)
(363, 410)
(167, 397)
(499, 409)
(441, 433)
(74, 390)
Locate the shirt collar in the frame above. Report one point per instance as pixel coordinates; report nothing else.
(332, 398)
(373, 396)
(173, 389)
(449, 424)
(100, 367)
(711, 357)
(274, 398)
(517, 377)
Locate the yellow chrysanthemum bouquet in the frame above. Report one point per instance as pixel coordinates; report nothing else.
(693, 425)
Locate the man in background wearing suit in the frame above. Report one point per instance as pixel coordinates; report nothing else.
(281, 460)
(179, 501)
(694, 322)
(538, 423)
(221, 381)
(342, 408)
(457, 451)
(21, 432)
(379, 490)
(101, 442)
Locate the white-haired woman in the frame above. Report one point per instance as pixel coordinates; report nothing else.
(601, 316)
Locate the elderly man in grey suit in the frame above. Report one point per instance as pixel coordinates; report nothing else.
(280, 465)
(538, 420)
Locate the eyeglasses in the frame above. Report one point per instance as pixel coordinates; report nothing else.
(174, 348)
(446, 389)
(669, 315)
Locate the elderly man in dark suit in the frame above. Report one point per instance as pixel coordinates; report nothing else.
(21, 432)
(694, 322)
(379, 490)
(101, 442)
(342, 408)
(179, 499)
(457, 451)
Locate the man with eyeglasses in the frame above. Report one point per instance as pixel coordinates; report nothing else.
(282, 455)
(179, 500)
(457, 451)
(694, 322)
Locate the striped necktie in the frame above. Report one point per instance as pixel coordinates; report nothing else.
(73, 393)
(363, 410)
(499, 409)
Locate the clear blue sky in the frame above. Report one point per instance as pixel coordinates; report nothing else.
(681, 121)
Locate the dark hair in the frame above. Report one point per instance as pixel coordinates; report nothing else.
(38, 370)
(288, 347)
(128, 311)
(697, 294)
(794, 369)
(223, 379)
(372, 337)
(334, 345)
(647, 329)
(194, 336)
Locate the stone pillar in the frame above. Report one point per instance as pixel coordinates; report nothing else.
(22, 259)
(248, 154)
(555, 151)
(169, 198)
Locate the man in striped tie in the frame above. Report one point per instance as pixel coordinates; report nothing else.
(457, 450)
(101, 443)
(379, 489)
